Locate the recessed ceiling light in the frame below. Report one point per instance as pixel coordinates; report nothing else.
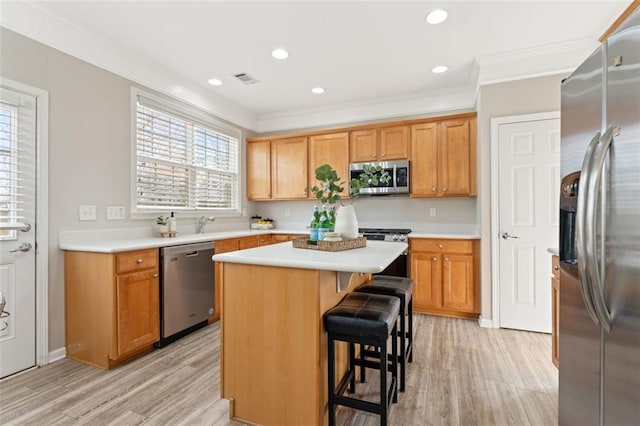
(280, 54)
(214, 82)
(317, 90)
(440, 69)
(437, 16)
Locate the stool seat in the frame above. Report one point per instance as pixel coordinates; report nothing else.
(364, 315)
(390, 286)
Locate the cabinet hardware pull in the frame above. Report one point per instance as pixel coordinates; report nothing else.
(433, 189)
(555, 268)
(435, 259)
(440, 246)
(155, 275)
(383, 155)
(373, 156)
(445, 189)
(446, 259)
(138, 261)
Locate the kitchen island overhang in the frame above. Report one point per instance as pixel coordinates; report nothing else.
(273, 356)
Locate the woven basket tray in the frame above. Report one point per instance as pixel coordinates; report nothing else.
(354, 243)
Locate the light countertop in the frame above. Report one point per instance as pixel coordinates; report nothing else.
(449, 234)
(373, 258)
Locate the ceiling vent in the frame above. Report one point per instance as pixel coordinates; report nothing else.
(245, 78)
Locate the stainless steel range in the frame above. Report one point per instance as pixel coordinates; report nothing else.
(399, 267)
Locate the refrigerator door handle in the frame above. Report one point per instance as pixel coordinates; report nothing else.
(594, 187)
(582, 253)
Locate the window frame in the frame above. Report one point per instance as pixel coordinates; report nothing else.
(198, 117)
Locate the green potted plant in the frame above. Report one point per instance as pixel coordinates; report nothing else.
(331, 186)
(163, 221)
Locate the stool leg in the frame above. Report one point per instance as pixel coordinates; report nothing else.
(331, 380)
(403, 351)
(384, 395)
(411, 329)
(394, 362)
(362, 368)
(352, 356)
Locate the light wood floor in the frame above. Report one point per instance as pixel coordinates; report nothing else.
(461, 375)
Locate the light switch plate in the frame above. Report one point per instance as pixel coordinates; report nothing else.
(432, 211)
(115, 212)
(86, 212)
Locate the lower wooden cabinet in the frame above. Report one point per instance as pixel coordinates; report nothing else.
(445, 274)
(555, 313)
(111, 305)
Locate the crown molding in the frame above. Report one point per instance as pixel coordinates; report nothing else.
(533, 62)
(40, 24)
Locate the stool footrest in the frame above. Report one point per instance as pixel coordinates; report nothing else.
(371, 407)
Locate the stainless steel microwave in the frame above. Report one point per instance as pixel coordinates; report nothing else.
(398, 184)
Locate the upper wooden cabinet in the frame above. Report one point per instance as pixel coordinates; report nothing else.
(332, 149)
(382, 144)
(443, 158)
(259, 170)
(277, 169)
(289, 169)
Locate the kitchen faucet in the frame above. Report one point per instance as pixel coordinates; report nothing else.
(203, 221)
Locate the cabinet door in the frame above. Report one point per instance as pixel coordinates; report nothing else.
(137, 310)
(289, 168)
(248, 242)
(394, 143)
(458, 160)
(426, 272)
(265, 240)
(363, 145)
(424, 160)
(458, 282)
(259, 170)
(332, 150)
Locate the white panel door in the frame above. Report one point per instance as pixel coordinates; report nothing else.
(529, 185)
(17, 231)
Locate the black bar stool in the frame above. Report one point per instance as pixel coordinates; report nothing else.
(402, 288)
(365, 319)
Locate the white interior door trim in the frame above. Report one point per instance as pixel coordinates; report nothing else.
(42, 215)
(495, 203)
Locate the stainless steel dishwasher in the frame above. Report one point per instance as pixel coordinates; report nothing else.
(186, 290)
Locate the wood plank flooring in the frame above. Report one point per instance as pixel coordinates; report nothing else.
(461, 375)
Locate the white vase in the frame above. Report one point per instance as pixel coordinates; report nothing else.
(347, 222)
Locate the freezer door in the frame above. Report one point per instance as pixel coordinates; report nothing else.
(579, 346)
(622, 283)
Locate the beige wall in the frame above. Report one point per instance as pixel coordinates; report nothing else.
(499, 100)
(89, 148)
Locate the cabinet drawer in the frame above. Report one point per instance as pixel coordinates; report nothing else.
(137, 260)
(555, 266)
(248, 242)
(441, 246)
(280, 238)
(265, 240)
(225, 246)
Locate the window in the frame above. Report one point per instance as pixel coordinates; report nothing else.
(183, 162)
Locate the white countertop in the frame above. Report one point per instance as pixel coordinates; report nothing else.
(451, 235)
(138, 243)
(373, 258)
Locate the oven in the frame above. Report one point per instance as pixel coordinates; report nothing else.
(399, 267)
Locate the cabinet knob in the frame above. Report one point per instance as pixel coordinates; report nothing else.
(433, 189)
(382, 155)
(373, 156)
(435, 259)
(440, 246)
(139, 261)
(555, 268)
(444, 189)
(155, 275)
(446, 259)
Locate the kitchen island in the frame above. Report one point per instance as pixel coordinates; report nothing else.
(273, 356)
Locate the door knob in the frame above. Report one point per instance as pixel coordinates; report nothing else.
(507, 236)
(24, 247)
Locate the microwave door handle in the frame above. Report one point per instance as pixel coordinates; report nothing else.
(582, 254)
(594, 187)
(395, 176)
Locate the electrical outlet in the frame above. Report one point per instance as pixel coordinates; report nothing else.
(86, 212)
(115, 212)
(244, 211)
(287, 212)
(432, 211)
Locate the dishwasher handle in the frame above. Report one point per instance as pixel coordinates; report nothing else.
(191, 254)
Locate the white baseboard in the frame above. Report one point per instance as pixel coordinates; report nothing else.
(486, 323)
(57, 354)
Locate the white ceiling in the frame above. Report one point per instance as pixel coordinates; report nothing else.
(362, 53)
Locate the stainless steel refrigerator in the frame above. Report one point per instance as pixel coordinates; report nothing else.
(599, 345)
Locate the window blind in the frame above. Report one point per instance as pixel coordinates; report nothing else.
(182, 163)
(17, 160)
